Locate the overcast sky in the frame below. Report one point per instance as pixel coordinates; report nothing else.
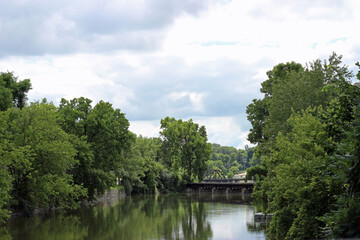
(196, 59)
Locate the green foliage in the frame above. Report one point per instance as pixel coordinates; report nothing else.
(292, 88)
(258, 111)
(307, 130)
(185, 146)
(12, 91)
(127, 186)
(107, 131)
(143, 166)
(233, 171)
(256, 172)
(296, 181)
(343, 220)
(5, 184)
(232, 161)
(257, 114)
(101, 138)
(40, 156)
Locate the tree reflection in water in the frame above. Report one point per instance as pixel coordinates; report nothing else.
(138, 217)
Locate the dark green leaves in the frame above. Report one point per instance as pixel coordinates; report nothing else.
(12, 91)
(186, 146)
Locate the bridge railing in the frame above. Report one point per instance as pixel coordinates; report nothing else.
(231, 180)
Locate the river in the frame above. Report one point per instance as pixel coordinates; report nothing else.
(149, 217)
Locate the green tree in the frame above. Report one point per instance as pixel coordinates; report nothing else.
(307, 166)
(216, 165)
(144, 166)
(292, 87)
(109, 136)
(344, 123)
(257, 172)
(107, 140)
(12, 91)
(298, 191)
(258, 111)
(74, 114)
(41, 157)
(233, 171)
(5, 184)
(186, 146)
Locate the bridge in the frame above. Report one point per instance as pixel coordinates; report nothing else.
(227, 185)
(215, 181)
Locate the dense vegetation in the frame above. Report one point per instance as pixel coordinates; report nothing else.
(307, 128)
(58, 156)
(231, 161)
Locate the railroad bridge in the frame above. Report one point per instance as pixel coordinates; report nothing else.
(227, 185)
(216, 181)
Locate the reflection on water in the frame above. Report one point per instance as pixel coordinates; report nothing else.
(176, 216)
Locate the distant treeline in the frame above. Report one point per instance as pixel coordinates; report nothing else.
(58, 156)
(232, 161)
(307, 128)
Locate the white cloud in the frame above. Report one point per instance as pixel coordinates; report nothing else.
(145, 128)
(195, 99)
(226, 131)
(185, 59)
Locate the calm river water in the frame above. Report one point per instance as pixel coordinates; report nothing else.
(175, 216)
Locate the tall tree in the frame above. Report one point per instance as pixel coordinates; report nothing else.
(12, 91)
(105, 130)
(292, 88)
(187, 146)
(344, 124)
(308, 152)
(298, 192)
(258, 111)
(41, 156)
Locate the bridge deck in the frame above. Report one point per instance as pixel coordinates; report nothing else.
(222, 185)
(231, 180)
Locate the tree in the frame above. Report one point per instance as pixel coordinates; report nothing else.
(5, 183)
(298, 191)
(186, 146)
(74, 114)
(309, 152)
(12, 91)
(233, 171)
(143, 166)
(258, 110)
(290, 87)
(109, 136)
(343, 219)
(107, 140)
(41, 157)
(256, 172)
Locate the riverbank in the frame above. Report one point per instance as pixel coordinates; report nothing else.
(107, 196)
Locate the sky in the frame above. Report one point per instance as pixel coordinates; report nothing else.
(189, 59)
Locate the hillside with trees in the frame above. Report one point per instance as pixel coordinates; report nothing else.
(307, 129)
(232, 161)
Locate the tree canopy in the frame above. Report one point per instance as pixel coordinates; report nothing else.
(305, 128)
(12, 92)
(186, 146)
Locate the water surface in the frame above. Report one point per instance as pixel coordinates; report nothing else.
(175, 216)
